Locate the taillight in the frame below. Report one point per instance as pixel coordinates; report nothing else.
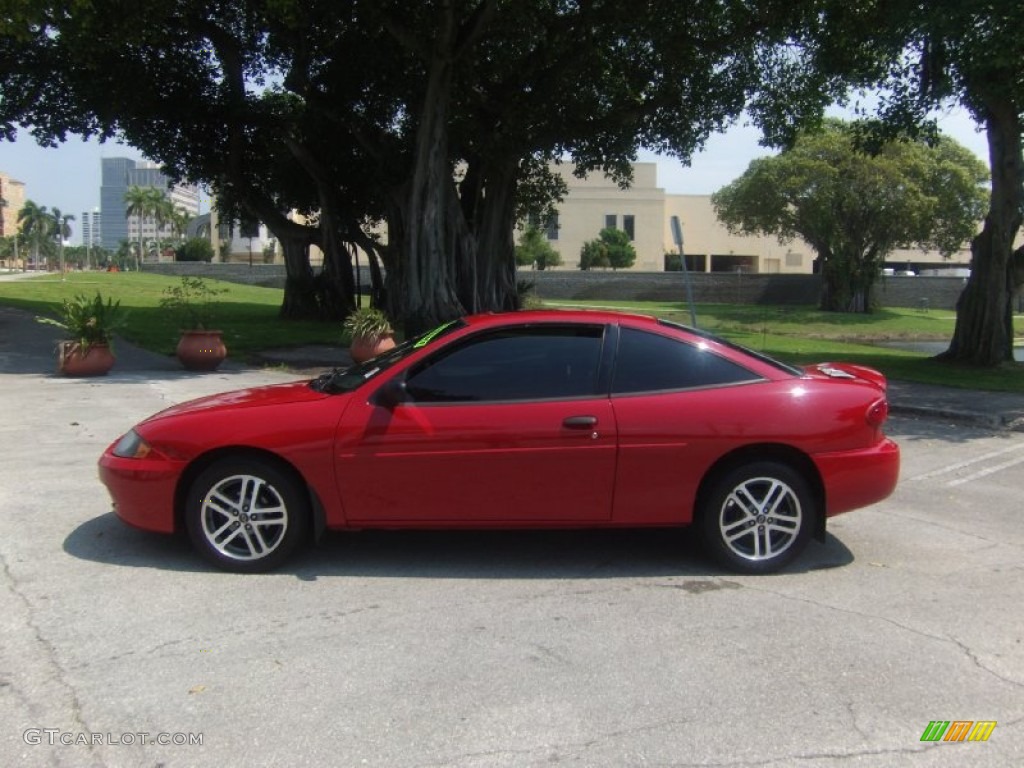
(877, 413)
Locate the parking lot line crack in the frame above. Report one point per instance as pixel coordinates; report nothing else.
(565, 751)
(555, 752)
(49, 651)
(853, 721)
(788, 760)
(965, 649)
(980, 665)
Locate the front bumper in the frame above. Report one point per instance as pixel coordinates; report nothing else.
(142, 489)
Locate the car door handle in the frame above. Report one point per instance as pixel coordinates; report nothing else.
(580, 422)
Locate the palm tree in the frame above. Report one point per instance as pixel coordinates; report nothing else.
(139, 202)
(35, 223)
(163, 212)
(148, 203)
(62, 231)
(179, 222)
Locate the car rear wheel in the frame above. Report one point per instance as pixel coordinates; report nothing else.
(758, 517)
(246, 514)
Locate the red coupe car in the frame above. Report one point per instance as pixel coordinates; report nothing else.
(535, 419)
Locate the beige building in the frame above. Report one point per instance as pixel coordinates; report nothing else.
(645, 211)
(12, 192)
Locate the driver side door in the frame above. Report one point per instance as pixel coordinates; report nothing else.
(502, 427)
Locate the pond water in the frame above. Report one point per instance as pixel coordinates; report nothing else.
(935, 347)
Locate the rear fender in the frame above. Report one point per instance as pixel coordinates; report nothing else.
(772, 452)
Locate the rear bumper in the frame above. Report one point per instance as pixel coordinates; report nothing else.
(142, 490)
(854, 479)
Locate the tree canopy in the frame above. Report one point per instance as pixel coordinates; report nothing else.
(855, 208)
(930, 55)
(438, 117)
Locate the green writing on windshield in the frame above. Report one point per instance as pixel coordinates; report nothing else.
(429, 336)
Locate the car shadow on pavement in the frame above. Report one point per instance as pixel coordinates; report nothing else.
(552, 554)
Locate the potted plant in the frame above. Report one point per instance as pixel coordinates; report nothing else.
(91, 324)
(370, 333)
(200, 348)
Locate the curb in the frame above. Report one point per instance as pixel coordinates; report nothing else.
(989, 420)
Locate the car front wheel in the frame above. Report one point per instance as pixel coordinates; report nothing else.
(246, 514)
(758, 517)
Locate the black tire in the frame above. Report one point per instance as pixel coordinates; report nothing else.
(757, 517)
(246, 514)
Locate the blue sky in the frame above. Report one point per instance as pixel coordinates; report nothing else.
(68, 177)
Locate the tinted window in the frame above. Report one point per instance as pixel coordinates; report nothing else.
(647, 362)
(528, 363)
(739, 348)
(348, 379)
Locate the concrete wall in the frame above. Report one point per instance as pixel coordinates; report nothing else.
(913, 292)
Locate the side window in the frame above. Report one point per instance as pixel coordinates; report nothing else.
(528, 363)
(647, 362)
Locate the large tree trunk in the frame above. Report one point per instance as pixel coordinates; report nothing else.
(487, 256)
(300, 290)
(300, 302)
(336, 283)
(848, 281)
(423, 279)
(427, 277)
(983, 334)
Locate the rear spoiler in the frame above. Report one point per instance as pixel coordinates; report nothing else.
(850, 371)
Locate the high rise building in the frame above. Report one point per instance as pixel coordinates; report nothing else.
(90, 226)
(118, 175)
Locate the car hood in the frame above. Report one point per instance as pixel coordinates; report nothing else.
(276, 394)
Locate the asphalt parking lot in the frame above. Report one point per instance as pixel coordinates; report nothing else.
(499, 649)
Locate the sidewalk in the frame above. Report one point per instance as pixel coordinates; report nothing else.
(997, 410)
(27, 346)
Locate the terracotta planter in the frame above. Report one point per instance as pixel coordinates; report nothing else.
(72, 361)
(364, 348)
(201, 350)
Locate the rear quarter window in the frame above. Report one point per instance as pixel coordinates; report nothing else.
(650, 362)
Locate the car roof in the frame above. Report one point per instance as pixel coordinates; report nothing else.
(559, 316)
(607, 316)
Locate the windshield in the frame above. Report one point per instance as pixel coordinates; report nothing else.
(348, 379)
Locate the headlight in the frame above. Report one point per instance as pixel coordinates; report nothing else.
(131, 446)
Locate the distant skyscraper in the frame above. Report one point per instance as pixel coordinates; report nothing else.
(91, 229)
(119, 174)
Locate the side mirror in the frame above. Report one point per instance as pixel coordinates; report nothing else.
(392, 394)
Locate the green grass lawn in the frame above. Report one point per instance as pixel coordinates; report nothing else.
(248, 315)
(889, 324)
